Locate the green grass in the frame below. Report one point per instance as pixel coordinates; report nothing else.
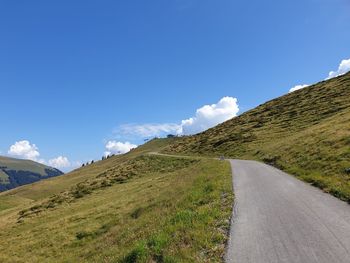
(55, 185)
(140, 207)
(117, 175)
(131, 208)
(4, 178)
(24, 165)
(30, 170)
(306, 133)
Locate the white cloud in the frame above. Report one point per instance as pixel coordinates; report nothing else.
(343, 68)
(114, 147)
(205, 117)
(59, 162)
(210, 115)
(297, 87)
(24, 149)
(146, 130)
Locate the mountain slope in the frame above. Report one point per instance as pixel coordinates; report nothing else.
(137, 207)
(306, 133)
(16, 172)
(140, 207)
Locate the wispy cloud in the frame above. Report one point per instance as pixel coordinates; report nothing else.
(146, 130)
(204, 118)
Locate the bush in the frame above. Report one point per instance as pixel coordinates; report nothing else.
(82, 234)
(137, 213)
(138, 254)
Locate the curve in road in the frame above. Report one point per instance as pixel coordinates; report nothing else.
(278, 218)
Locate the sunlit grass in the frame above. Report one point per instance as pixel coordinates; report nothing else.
(169, 210)
(306, 133)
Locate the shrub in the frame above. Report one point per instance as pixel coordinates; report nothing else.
(138, 254)
(82, 234)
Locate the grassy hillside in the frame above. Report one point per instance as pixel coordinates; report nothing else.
(16, 172)
(306, 133)
(131, 208)
(143, 207)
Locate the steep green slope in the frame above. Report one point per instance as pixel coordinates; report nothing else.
(143, 207)
(306, 133)
(16, 172)
(137, 207)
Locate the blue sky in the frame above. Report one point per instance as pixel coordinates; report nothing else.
(74, 74)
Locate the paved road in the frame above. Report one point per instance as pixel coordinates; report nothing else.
(278, 218)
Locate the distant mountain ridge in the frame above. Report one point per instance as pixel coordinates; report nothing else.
(17, 172)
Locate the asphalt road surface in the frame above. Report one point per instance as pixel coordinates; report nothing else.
(278, 218)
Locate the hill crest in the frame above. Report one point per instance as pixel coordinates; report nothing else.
(16, 172)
